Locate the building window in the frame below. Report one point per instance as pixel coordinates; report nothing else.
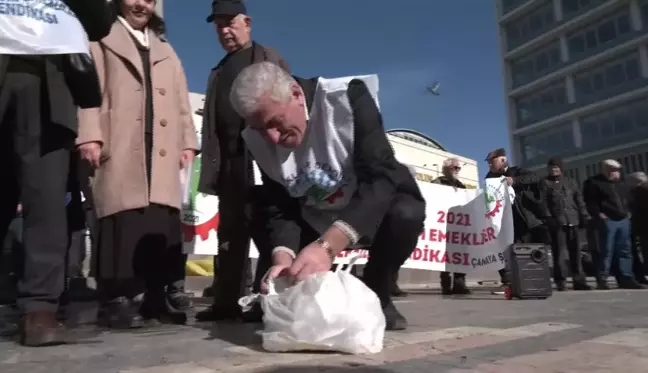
(603, 34)
(541, 105)
(530, 26)
(643, 5)
(537, 64)
(614, 127)
(573, 8)
(538, 148)
(602, 82)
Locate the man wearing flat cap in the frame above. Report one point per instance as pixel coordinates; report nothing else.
(606, 199)
(529, 208)
(227, 168)
(568, 213)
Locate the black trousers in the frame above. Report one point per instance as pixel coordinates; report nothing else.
(596, 247)
(393, 243)
(565, 249)
(36, 153)
(232, 266)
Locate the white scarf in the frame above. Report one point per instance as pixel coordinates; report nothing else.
(142, 37)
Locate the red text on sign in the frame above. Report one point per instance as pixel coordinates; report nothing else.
(453, 218)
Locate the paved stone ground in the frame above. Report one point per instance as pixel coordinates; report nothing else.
(571, 332)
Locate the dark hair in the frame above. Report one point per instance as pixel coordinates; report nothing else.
(155, 24)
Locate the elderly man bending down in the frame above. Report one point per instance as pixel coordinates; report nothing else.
(331, 174)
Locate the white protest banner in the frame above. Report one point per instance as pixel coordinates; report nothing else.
(466, 230)
(40, 27)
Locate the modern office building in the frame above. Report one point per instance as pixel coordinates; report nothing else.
(576, 74)
(421, 153)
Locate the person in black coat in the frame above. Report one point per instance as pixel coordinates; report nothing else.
(568, 212)
(227, 169)
(606, 198)
(638, 184)
(38, 126)
(330, 176)
(451, 168)
(529, 209)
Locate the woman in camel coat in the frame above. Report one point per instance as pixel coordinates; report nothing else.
(138, 142)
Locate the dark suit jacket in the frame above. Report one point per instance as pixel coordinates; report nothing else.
(380, 176)
(97, 18)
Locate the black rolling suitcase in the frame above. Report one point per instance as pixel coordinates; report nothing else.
(530, 272)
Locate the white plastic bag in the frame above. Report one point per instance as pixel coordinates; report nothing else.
(40, 27)
(330, 311)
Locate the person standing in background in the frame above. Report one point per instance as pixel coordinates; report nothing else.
(638, 201)
(227, 168)
(38, 124)
(568, 213)
(451, 169)
(529, 209)
(606, 199)
(137, 143)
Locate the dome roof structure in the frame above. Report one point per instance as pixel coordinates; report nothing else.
(415, 136)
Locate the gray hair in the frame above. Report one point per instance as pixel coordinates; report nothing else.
(450, 162)
(611, 164)
(257, 80)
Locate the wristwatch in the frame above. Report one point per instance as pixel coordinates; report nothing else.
(327, 246)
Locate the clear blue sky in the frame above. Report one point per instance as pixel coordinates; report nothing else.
(409, 43)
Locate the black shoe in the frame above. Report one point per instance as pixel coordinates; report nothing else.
(394, 319)
(446, 285)
(156, 306)
(255, 315)
(642, 280)
(119, 313)
(629, 283)
(560, 286)
(180, 300)
(460, 287)
(581, 286)
(602, 285)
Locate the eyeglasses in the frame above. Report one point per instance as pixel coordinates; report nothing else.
(456, 168)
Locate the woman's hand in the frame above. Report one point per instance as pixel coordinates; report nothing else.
(186, 157)
(91, 152)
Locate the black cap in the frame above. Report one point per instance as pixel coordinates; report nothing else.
(499, 152)
(555, 161)
(226, 8)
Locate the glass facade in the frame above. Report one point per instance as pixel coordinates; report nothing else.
(577, 81)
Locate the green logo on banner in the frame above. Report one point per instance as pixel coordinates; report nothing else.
(195, 178)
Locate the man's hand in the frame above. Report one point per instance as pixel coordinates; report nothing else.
(186, 157)
(509, 180)
(603, 216)
(276, 270)
(91, 152)
(312, 259)
(281, 261)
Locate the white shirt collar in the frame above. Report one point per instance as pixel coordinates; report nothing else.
(141, 36)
